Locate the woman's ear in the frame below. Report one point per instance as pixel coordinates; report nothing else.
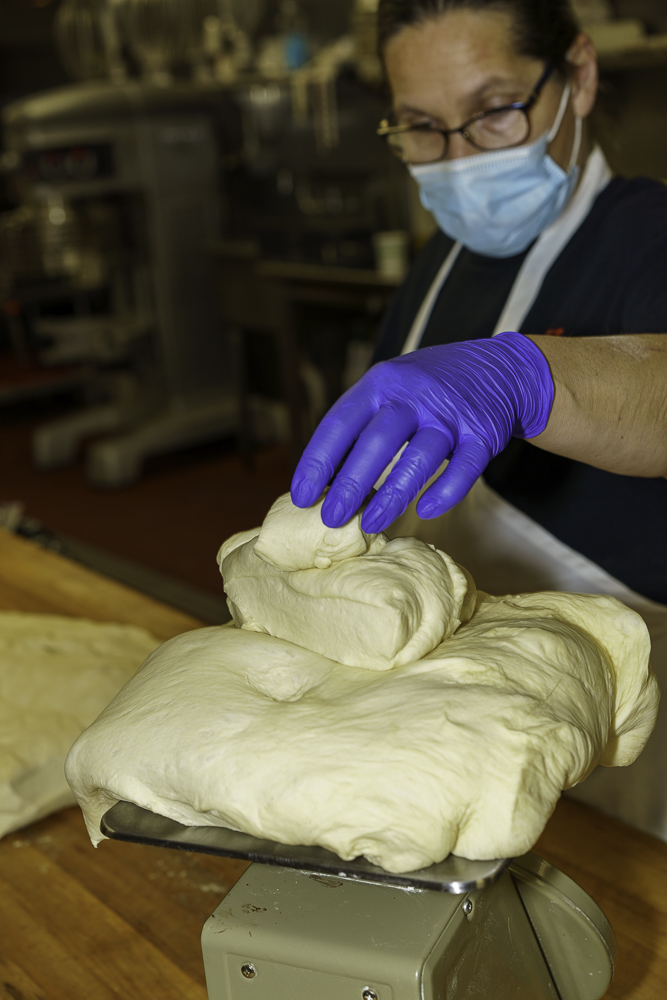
(583, 60)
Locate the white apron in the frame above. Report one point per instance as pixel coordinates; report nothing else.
(507, 552)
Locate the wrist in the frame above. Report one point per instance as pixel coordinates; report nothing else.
(531, 381)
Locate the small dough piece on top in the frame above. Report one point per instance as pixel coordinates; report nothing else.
(297, 538)
(464, 751)
(355, 598)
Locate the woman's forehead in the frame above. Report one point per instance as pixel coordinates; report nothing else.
(461, 55)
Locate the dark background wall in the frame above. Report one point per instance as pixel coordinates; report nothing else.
(632, 124)
(28, 58)
(652, 12)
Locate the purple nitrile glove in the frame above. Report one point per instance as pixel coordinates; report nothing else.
(459, 401)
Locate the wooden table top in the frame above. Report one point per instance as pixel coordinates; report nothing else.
(125, 920)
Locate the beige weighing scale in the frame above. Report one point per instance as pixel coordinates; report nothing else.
(302, 924)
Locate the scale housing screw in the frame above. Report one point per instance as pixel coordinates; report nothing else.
(248, 970)
(369, 994)
(467, 907)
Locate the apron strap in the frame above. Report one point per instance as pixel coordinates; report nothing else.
(546, 249)
(551, 242)
(421, 319)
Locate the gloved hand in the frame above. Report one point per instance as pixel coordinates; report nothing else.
(459, 401)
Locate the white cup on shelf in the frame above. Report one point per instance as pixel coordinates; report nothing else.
(391, 253)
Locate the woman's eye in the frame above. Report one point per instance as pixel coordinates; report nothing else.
(499, 101)
(413, 119)
(499, 121)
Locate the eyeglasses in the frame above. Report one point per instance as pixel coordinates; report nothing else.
(498, 128)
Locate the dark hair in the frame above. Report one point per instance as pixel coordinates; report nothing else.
(543, 29)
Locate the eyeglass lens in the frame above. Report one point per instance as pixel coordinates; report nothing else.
(495, 130)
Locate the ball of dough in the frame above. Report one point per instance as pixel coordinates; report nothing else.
(374, 604)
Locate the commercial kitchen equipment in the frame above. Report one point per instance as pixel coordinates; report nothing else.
(303, 923)
(139, 162)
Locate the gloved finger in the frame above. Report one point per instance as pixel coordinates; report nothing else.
(377, 444)
(465, 467)
(333, 438)
(422, 457)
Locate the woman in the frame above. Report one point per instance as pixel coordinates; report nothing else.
(566, 420)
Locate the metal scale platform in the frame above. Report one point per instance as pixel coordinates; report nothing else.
(301, 924)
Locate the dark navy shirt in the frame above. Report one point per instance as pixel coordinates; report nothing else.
(611, 278)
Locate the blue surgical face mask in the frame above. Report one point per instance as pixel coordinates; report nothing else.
(498, 203)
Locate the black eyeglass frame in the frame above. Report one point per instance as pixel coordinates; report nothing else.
(386, 130)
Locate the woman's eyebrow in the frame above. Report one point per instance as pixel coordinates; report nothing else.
(496, 84)
(471, 100)
(409, 109)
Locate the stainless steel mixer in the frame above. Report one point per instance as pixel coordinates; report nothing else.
(148, 155)
(301, 923)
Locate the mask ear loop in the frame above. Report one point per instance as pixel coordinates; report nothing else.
(553, 131)
(578, 125)
(576, 145)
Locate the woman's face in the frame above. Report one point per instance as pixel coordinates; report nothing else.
(446, 69)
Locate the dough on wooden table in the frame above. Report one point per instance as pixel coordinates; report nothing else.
(56, 675)
(465, 750)
(355, 598)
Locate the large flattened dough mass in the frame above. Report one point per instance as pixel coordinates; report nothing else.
(464, 751)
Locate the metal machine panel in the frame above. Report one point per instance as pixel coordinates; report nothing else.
(280, 980)
(179, 160)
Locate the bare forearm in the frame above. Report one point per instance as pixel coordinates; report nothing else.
(610, 402)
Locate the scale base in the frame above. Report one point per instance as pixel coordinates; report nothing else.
(303, 924)
(284, 934)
